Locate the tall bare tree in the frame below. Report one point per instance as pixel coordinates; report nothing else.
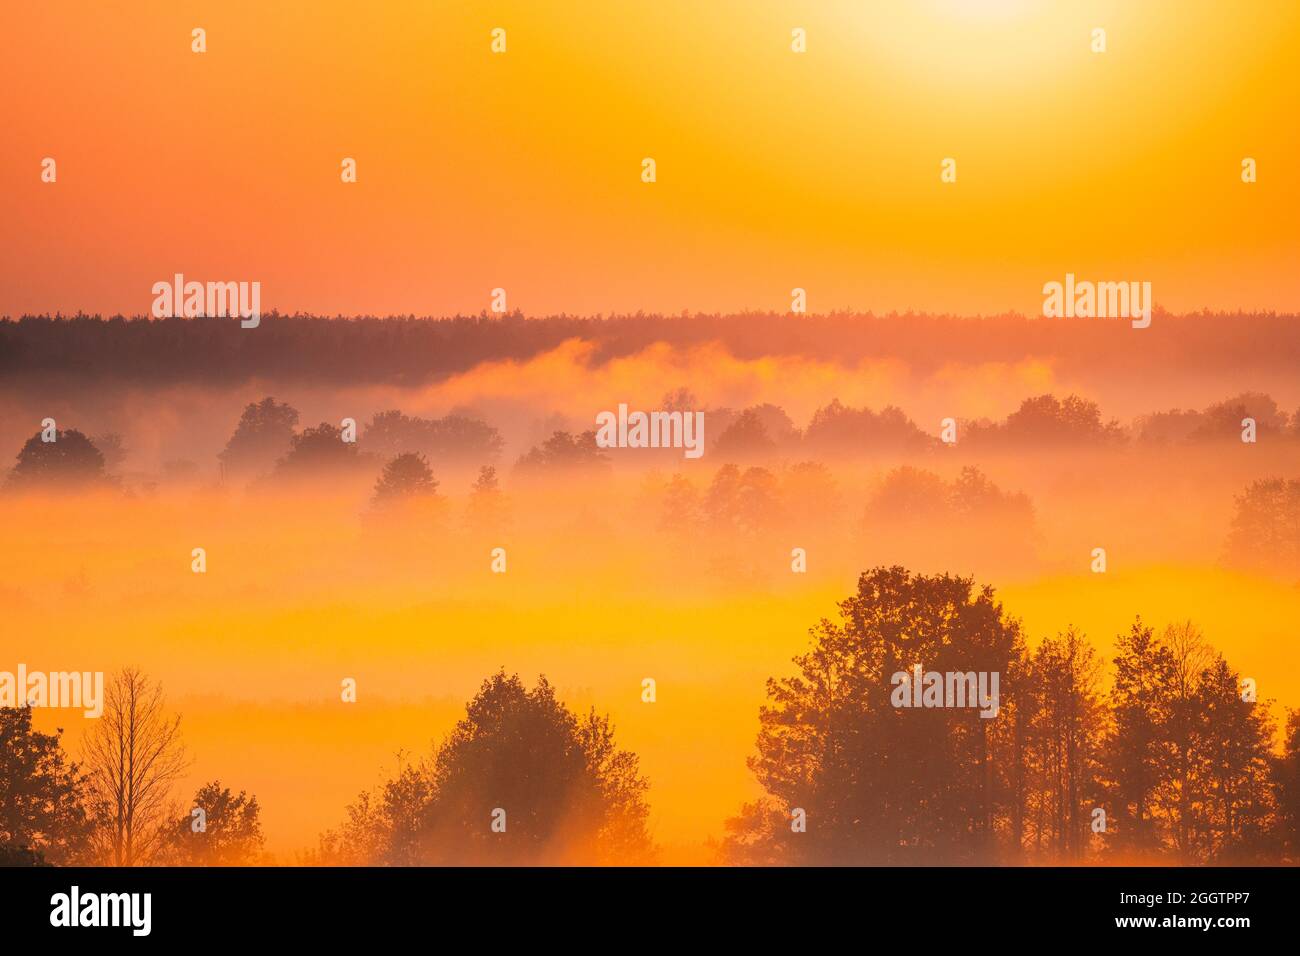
(134, 755)
(1192, 656)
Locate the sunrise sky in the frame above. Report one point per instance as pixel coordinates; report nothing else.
(775, 170)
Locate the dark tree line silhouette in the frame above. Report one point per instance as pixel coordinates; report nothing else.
(1173, 761)
(405, 350)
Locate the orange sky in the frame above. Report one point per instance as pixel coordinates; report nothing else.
(775, 169)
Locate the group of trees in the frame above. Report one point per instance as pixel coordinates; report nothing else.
(564, 453)
(906, 507)
(266, 440)
(1173, 761)
(1220, 421)
(742, 498)
(1041, 421)
(117, 806)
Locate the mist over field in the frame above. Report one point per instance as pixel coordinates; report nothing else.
(621, 564)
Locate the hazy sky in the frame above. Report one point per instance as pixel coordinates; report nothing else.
(775, 169)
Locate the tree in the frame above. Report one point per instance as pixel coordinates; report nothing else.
(742, 503)
(392, 433)
(680, 508)
(1177, 795)
(564, 453)
(71, 460)
(1136, 752)
(1266, 526)
(228, 832)
(908, 495)
(407, 477)
(135, 755)
(111, 447)
(881, 784)
(745, 438)
(979, 521)
(487, 510)
(315, 451)
(682, 399)
(263, 434)
(42, 814)
(1065, 741)
(837, 428)
(454, 438)
(1286, 776)
(568, 793)
(1231, 755)
(1047, 420)
(973, 497)
(1222, 420)
(1162, 428)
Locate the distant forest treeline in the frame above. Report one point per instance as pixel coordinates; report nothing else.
(408, 350)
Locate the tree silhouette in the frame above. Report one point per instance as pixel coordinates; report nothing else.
(400, 350)
(906, 495)
(564, 453)
(1136, 754)
(1047, 420)
(454, 438)
(973, 496)
(745, 438)
(263, 434)
(315, 451)
(1222, 420)
(881, 784)
(680, 399)
(134, 755)
(1231, 762)
(230, 833)
(407, 477)
(1064, 733)
(1175, 425)
(568, 793)
(1286, 776)
(1178, 798)
(680, 509)
(71, 460)
(42, 815)
(979, 521)
(111, 447)
(487, 511)
(1266, 526)
(837, 429)
(742, 503)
